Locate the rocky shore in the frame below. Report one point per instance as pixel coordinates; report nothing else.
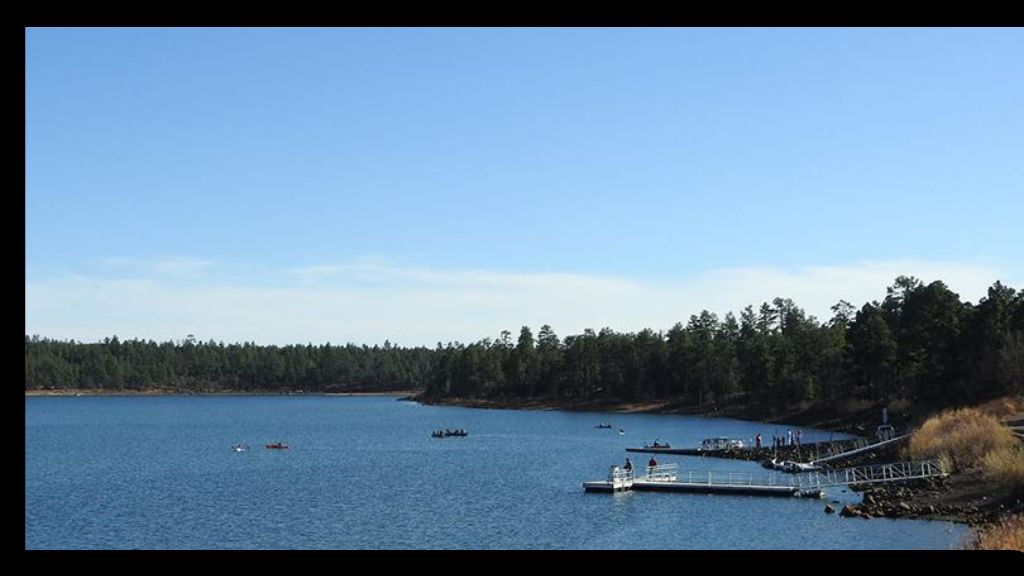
(965, 498)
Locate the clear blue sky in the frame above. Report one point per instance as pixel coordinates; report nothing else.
(193, 167)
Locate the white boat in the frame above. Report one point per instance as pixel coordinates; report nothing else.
(720, 443)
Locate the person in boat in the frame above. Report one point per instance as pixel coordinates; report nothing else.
(651, 464)
(629, 465)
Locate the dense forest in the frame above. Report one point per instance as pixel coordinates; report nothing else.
(919, 343)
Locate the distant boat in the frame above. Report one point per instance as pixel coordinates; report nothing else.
(278, 446)
(449, 433)
(603, 426)
(622, 432)
(240, 447)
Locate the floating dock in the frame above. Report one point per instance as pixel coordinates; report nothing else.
(676, 451)
(828, 448)
(667, 478)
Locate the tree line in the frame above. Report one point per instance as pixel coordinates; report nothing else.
(194, 366)
(921, 342)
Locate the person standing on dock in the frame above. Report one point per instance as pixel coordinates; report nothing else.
(757, 441)
(629, 466)
(650, 465)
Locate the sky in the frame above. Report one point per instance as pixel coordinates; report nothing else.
(420, 186)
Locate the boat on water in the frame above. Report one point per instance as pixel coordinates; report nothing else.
(658, 444)
(240, 447)
(789, 466)
(448, 433)
(604, 426)
(278, 446)
(719, 443)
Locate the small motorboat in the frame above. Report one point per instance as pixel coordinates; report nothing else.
(604, 426)
(449, 433)
(799, 467)
(240, 447)
(658, 444)
(278, 446)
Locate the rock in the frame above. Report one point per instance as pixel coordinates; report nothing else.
(869, 499)
(829, 509)
(904, 506)
(848, 511)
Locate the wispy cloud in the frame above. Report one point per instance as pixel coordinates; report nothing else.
(173, 267)
(370, 301)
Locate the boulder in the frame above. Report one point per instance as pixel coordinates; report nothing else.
(829, 509)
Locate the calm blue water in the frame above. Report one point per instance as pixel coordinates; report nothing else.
(158, 472)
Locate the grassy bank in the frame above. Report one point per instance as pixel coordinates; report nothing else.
(1005, 534)
(973, 439)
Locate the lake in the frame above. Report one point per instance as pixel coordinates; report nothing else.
(158, 472)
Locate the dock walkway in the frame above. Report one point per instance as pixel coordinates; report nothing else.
(667, 478)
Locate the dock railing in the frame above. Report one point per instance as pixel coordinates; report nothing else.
(711, 477)
(807, 480)
(875, 473)
(662, 473)
(620, 474)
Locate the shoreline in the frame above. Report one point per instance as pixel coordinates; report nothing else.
(163, 392)
(857, 423)
(964, 498)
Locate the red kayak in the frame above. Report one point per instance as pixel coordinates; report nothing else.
(278, 446)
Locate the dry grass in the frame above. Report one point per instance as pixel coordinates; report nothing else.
(1007, 534)
(1003, 407)
(1005, 467)
(968, 438)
